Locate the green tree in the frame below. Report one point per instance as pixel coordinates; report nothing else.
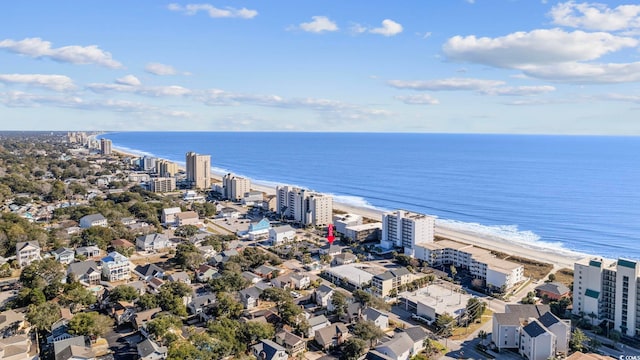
(228, 281)
(454, 271)
(339, 302)
(475, 308)
(90, 324)
(368, 331)
(185, 350)
(42, 273)
(444, 324)
(162, 324)
(43, 316)
(147, 301)
(171, 295)
(227, 306)
(186, 231)
(577, 341)
(76, 295)
(252, 332)
(123, 292)
(552, 277)
(353, 349)
(188, 256)
(227, 334)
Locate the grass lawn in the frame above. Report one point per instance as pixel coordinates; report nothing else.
(461, 333)
(565, 276)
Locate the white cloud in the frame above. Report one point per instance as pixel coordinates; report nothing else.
(213, 12)
(128, 84)
(389, 28)
(53, 82)
(128, 80)
(319, 24)
(358, 29)
(595, 16)
(517, 90)
(160, 69)
(445, 84)
(421, 99)
(581, 73)
(521, 50)
(75, 54)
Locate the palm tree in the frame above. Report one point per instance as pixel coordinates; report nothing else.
(482, 335)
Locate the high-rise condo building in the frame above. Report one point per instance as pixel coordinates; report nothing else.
(406, 229)
(199, 170)
(235, 187)
(166, 168)
(105, 146)
(608, 290)
(304, 206)
(162, 184)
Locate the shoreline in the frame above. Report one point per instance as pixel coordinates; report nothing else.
(559, 258)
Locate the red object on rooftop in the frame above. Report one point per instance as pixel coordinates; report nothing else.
(330, 236)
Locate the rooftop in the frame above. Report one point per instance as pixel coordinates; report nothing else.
(440, 298)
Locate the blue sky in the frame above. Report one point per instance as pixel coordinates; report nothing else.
(457, 66)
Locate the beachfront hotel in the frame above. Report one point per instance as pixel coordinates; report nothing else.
(304, 206)
(608, 290)
(405, 229)
(198, 170)
(166, 168)
(105, 146)
(235, 187)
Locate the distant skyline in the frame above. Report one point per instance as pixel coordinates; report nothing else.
(454, 66)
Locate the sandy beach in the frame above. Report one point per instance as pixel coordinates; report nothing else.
(559, 259)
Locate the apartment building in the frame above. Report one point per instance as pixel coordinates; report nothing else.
(166, 168)
(162, 184)
(198, 170)
(497, 273)
(235, 187)
(383, 284)
(116, 267)
(405, 229)
(105, 146)
(304, 206)
(341, 221)
(610, 289)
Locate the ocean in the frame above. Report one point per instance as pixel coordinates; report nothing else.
(556, 193)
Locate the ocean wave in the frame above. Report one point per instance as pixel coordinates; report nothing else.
(356, 201)
(509, 233)
(133, 151)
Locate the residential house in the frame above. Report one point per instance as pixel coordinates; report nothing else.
(152, 242)
(377, 317)
(122, 311)
(142, 318)
(552, 291)
(88, 251)
(199, 304)
(322, 295)
(331, 250)
(269, 350)
(300, 281)
(93, 220)
(281, 235)
(140, 286)
(155, 284)
(259, 230)
(250, 297)
(149, 271)
(332, 335)
(169, 215)
(266, 271)
(12, 322)
(73, 349)
(207, 251)
(531, 329)
(187, 218)
(86, 272)
(205, 272)
(251, 277)
(16, 347)
(343, 259)
(402, 346)
(116, 267)
(27, 252)
(64, 255)
(122, 243)
(180, 276)
(316, 323)
(150, 350)
(293, 344)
